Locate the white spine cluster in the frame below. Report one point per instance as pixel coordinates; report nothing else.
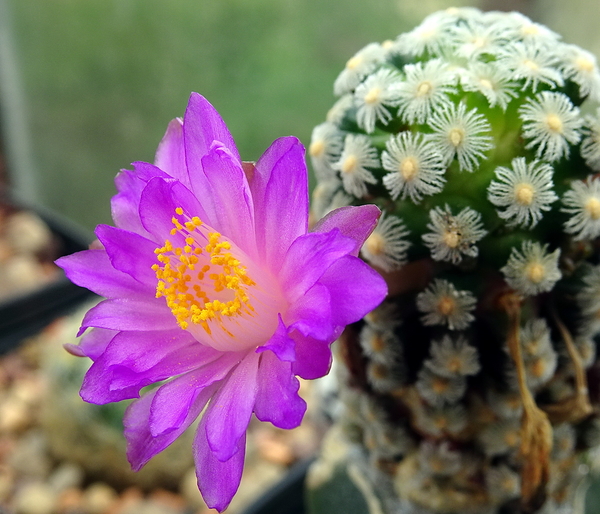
(357, 156)
(582, 202)
(443, 304)
(453, 236)
(551, 123)
(532, 270)
(524, 191)
(387, 245)
(462, 134)
(416, 168)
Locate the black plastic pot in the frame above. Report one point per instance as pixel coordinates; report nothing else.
(286, 497)
(25, 315)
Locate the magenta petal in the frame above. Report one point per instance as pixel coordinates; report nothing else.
(355, 288)
(93, 270)
(229, 412)
(277, 399)
(97, 386)
(173, 399)
(218, 481)
(94, 343)
(124, 205)
(130, 314)
(230, 195)
(313, 358)
(141, 351)
(307, 259)
(312, 313)
(353, 222)
(111, 379)
(146, 171)
(141, 445)
(170, 155)
(280, 191)
(128, 252)
(202, 125)
(281, 344)
(158, 202)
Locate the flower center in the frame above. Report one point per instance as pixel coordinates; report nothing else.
(532, 65)
(354, 63)
(487, 84)
(451, 238)
(375, 244)
(209, 291)
(424, 88)
(440, 385)
(512, 438)
(316, 148)
(530, 30)
(554, 123)
(372, 96)
(524, 193)
(409, 168)
(584, 64)
(592, 207)
(378, 344)
(349, 164)
(537, 368)
(479, 42)
(456, 136)
(535, 272)
(454, 364)
(441, 422)
(446, 305)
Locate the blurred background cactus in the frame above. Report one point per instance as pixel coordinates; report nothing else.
(475, 387)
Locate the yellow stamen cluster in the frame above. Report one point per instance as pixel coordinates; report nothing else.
(186, 274)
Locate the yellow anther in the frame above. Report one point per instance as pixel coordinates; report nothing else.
(186, 293)
(179, 210)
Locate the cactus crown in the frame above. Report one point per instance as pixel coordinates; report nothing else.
(469, 133)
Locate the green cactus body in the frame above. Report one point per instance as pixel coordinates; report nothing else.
(474, 387)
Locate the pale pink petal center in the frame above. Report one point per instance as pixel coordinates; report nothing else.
(214, 290)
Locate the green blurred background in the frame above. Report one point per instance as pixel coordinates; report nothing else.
(88, 86)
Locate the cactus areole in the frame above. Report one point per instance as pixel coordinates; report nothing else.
(474, 387)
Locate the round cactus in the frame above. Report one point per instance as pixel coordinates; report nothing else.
(474, 387)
